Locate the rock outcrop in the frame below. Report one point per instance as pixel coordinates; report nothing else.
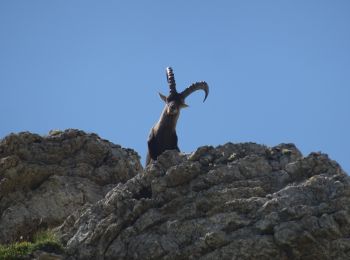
(236, 201)
(44, 179)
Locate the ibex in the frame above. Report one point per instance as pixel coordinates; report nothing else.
(163, 134)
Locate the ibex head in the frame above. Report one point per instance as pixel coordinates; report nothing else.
(175, 101)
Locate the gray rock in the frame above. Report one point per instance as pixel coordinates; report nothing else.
(42, 255)
(236, 201)
(45, 179)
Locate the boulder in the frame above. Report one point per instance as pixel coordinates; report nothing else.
(235, 201)
(45, 179)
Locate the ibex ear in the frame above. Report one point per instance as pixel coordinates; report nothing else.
(183, 105)
(162, 97)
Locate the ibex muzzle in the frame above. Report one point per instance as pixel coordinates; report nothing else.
(163, 134)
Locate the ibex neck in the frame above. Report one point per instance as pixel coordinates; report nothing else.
(168, 121)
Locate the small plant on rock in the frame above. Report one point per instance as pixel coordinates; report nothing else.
(43, 241)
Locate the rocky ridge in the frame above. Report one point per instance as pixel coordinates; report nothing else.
(44, 179)
(234, 201)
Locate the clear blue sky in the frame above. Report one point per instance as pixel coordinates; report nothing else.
(278, 71)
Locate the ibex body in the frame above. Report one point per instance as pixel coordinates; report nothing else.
(163, 134)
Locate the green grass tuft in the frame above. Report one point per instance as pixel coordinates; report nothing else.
(43, 240)
(13, 251)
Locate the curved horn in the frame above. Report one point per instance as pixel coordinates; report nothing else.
(171, 80)
(196, 86)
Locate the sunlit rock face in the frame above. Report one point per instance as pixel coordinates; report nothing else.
(235, 201)
(44, 179)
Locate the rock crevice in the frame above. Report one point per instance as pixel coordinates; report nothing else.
(44, 179)
(236, 201)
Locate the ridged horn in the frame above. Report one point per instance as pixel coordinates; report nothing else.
(194, 87)
(171, 79)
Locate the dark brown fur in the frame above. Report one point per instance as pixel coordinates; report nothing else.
(163, 134)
